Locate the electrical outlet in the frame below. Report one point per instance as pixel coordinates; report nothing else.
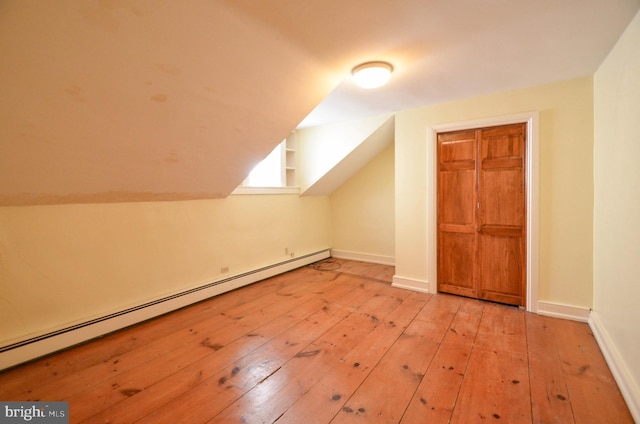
(286, 250)
(224, 270)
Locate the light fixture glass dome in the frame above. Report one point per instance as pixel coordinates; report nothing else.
(372, 74)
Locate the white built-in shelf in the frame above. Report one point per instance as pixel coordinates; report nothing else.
(290, 160)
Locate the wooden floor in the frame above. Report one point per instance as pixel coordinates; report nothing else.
(332, 343)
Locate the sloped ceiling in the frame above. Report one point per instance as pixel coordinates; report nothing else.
(135, 100)
(333, 153)
(142, 100)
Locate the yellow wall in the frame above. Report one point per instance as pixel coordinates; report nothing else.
(60, 265)
(566, 182)
(617, 204)
(362, 209)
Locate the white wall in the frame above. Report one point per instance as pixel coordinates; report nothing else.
(616, 229)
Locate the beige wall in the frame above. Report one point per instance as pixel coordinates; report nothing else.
(60, 265)
(616, 230)
(362, 209)
(566, 182)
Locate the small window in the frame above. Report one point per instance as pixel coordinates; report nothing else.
(275, 174)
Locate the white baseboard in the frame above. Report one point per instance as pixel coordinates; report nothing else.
(628, 387)
(36, 347)
(411, 284)
(363, 257)
(557, 310)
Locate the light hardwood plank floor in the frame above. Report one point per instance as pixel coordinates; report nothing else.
(332, 342)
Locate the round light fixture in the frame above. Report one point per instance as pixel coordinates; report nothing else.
(372, 74)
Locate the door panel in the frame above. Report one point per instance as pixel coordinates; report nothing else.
(503, 142)
(502, 198)
(458, 263)
(482, 213)
(458, 208)
(457, 233)
(502, 214)
(500, 269)
(457, 153)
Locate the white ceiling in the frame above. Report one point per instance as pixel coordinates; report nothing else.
(445, 50)
(133, 100)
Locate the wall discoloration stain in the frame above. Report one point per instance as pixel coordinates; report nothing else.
(159, 98)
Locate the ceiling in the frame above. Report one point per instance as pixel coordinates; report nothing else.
(144, 100)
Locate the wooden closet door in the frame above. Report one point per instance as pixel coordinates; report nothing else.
(457, 199)
(502, 212)
(481, 213)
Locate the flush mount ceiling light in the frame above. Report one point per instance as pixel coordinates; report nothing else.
(372, 74)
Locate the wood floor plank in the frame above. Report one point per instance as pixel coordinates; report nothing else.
(274, 395)
(327, 397)
(332, 342)
(496, 384)
(502, 328)
(434, 320)
(203, 343)
(164, 390)
(390, 386)
(369, 270)
(437, 393)
(550, 401)
(84, 380)
(403, 367)
(179, 383)
(495, 387)
(465, 325)
(238, 378)
(211, 396)
(591, 386)
(436, 396)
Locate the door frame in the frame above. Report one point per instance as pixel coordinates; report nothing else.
(532, 194)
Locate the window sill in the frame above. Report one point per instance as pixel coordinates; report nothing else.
(266, 190)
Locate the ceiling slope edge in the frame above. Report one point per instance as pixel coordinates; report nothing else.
(331, 154)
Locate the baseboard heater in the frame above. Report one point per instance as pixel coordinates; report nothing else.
(35, 347)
